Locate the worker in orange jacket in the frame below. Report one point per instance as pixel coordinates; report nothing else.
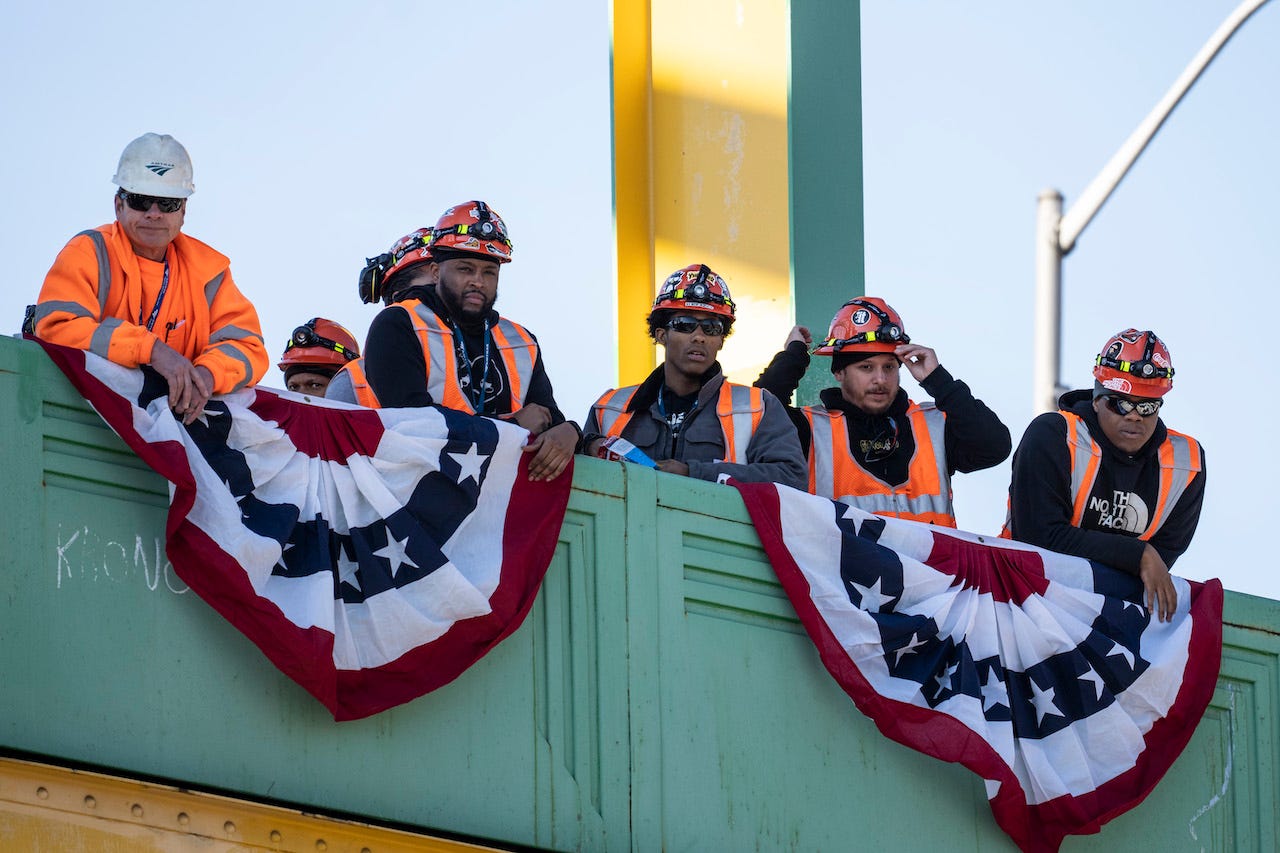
(138, 291)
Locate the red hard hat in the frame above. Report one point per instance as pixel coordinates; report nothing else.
(695, 288)
(1136, 363)
(475, 228)
(864, 324)
(319, 343)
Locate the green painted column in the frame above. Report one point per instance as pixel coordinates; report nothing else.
(825, 145)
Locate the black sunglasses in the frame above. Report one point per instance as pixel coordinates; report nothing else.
(142, 203)
(710, 326)
(1122, 406)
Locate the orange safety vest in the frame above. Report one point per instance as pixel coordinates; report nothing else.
(515, 345)
(834, 473)
(1178, 455)
(359, 383)
(93, 296)
(739, 408)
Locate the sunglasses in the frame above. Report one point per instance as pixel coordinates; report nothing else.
(1122, 406)
(142, 203)
(710, 326)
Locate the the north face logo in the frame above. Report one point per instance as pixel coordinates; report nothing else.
(160, 168)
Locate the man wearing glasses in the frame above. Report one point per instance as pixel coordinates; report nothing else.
(444, 344)
(1104, 478)
(685, 415)
(139, 291)
(868, 444)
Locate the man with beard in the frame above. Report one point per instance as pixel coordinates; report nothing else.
(868, 444)
(1103, 477)
(686, 416)
(444, 343)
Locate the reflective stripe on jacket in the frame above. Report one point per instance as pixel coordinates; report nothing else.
(738, 407)
(1178, 455)
(515, 345)
(354, 371)
(93, 297)
(834, 473)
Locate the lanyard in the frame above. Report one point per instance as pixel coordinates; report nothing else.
(662, 410)
(155, 312)
(475, 396)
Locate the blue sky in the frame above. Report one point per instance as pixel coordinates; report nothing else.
(321, 133)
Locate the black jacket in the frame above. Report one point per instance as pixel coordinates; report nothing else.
(975, 438)
(1040, 503)
(396, 365)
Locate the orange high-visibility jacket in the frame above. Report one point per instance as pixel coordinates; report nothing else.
(1179, 457)
(94, 298)
(354, 371)
(834, 473)
(517, 347)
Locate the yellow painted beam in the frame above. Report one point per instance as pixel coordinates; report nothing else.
(633, 184)
(45, 807)
(701, 151)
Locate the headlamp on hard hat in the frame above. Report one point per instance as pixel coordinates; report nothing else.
(373, 275)
(488, 227)
(1144, 368)
(305, 336)
(887, 332)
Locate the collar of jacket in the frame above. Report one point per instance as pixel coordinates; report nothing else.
(1081, 403)
(647, 394)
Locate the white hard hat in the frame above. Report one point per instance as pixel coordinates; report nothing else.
(157, 165)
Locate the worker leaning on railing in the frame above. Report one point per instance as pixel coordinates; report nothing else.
(139, 291)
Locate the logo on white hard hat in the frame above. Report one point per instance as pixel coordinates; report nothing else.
(157, 165)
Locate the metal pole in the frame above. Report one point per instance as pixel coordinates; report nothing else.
(1056, 234)
(1100, 189)
(1048, 323)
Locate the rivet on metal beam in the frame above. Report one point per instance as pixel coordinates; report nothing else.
(42, 792)
(229, 828)
(137, 810)
(184, 818)
(320, 844)
(276, 837)
(90, 802)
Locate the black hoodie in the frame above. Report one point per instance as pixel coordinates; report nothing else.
(974, 436)
(1040, 494)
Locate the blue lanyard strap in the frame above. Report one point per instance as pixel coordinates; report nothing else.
(155, 311)
(476, 396)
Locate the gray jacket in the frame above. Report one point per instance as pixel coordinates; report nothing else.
(772, 451)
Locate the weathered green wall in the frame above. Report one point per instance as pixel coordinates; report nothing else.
(660, 695)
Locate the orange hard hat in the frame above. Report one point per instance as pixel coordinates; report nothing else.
(319, 343)
(695, 288)
(475, 228)
(864, 324)
(1136, 363)
(410, 250)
